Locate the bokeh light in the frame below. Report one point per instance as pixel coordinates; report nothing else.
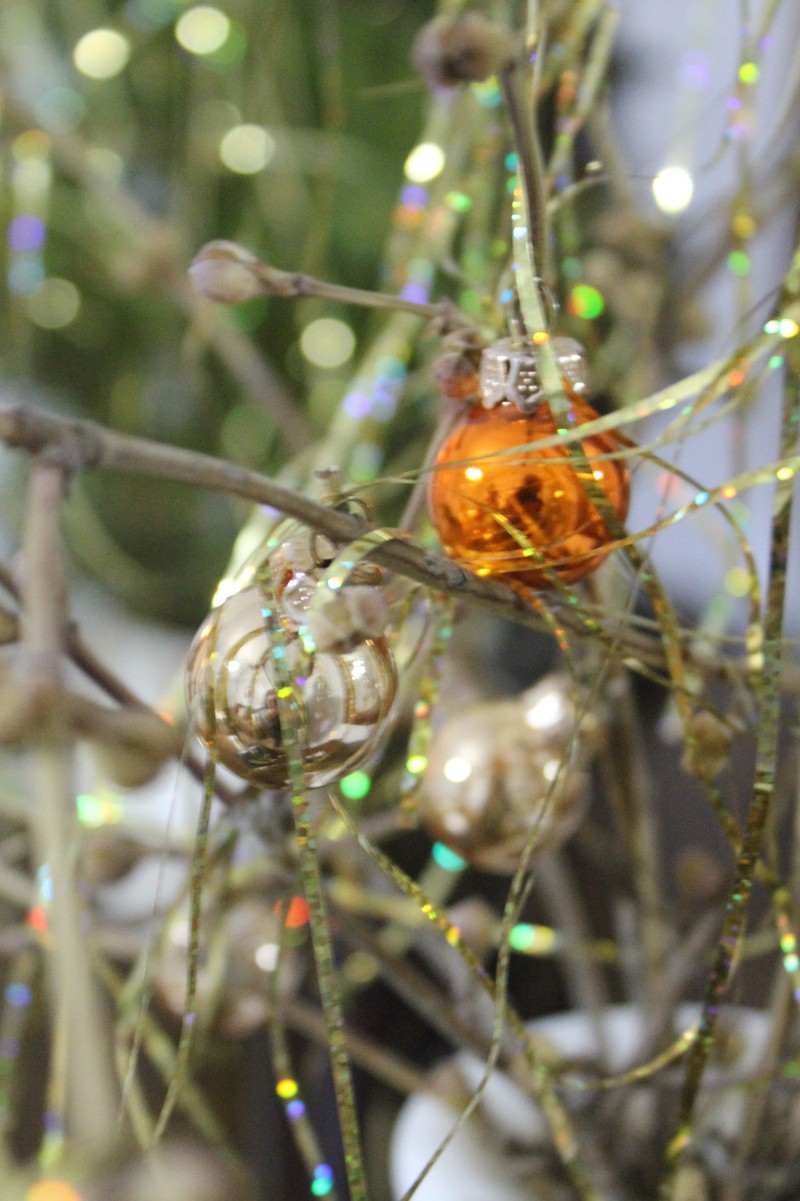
(673, 189)
(355, 786)
(585, 301)
(739, 262)
(54, 304)
(449, 860)
(52, 1190)
(96, 811)
(101, 54)
(202, 29)
(247, 149)
(266, 956)
(26, 233)
(424, 162)
(457, 770)
(60, 109)
(327, 342)
(25, 275)
(107, 163)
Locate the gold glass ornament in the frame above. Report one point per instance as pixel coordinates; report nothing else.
(504, 516)
(500, 772)
(344, 698)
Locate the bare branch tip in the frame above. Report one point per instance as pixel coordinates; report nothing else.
(226, 272)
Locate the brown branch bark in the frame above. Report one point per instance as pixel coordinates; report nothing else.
(84, 444)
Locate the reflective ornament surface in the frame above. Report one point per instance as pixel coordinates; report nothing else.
(501, 772)
(344, 698)
(508, 516)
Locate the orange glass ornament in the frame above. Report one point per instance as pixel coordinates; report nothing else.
(510, 516)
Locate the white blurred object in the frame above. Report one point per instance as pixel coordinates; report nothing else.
(675, 106)
(478, 1166)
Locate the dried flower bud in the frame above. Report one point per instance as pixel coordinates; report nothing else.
(700, 879)
(457, 375)
(707, 754)
(449, 51)
(223, 271)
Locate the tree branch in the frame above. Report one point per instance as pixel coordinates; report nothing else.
(84, 444)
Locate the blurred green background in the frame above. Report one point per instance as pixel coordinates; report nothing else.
(133, 133)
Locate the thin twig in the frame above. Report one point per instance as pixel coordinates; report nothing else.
(227, 272)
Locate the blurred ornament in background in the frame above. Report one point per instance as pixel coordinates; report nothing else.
(180, 1171)
(243, 944)
(505, 771)
(518, 515)
(345, 697)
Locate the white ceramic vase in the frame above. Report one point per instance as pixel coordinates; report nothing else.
(477, 1166)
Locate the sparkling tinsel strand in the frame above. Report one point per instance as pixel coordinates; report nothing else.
(556, 1115)
(287, 1086)
(188, 1027)
(768, 690)
(291, 736)
(529, 238)
(421, 725)
(160, 1050)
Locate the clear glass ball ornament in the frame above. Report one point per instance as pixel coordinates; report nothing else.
(344, 698)
(501, 773)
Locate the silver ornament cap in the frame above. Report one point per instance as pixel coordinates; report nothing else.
(509, 371)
